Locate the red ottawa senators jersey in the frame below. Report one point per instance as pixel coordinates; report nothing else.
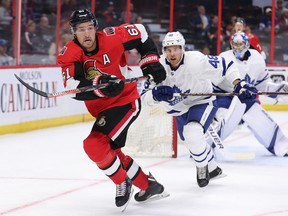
(109, 58)
(254, 42)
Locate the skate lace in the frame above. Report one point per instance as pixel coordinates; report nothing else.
(121, 189)
(201, 172)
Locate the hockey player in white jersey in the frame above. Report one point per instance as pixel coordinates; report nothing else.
(192, 72)
(252, 69)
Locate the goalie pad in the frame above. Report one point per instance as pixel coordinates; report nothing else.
(226, 120)
(277, 87)
(266, 130)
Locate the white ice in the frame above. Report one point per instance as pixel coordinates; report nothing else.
(47, 173)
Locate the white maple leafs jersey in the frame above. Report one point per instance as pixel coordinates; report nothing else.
(251, 70)
(194, 75)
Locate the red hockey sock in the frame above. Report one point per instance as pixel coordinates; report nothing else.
(97, 147)
(134, 171)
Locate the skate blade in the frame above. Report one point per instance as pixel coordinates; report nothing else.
(163, 195)
(203, 189)
(123, 208)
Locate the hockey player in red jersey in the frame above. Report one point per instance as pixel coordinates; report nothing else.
(98, 57)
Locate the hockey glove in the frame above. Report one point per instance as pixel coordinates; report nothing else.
(114, 87)
(150, 65)
(247, 92)
(162, 93)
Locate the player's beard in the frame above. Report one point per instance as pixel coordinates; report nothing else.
(88, 44)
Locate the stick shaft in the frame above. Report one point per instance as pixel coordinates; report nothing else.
(226, 94)
(76, 90)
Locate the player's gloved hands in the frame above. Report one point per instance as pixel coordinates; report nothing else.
(150, 65)
(162, 93)
(114, 87)
(247, 92)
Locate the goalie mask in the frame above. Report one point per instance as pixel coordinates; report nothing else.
(81, 16)
(240, 44)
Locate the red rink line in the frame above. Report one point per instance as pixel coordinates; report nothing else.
(44, 178)
(276, 213)
(21, 207)
(50, 198)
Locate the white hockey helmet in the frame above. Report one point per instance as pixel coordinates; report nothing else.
(173, 38)
(240, 44)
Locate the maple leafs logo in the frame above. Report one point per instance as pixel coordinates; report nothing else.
(248, 79)
(178, 98)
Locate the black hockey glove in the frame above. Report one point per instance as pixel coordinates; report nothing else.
(114, 87)
(247, 92)
(150, 65)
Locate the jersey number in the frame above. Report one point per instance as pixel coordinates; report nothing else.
(131, 30)
(213, 60)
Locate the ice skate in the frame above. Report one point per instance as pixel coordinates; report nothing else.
(203, 176)
(216, 174)
(154, 191)
(124, 192)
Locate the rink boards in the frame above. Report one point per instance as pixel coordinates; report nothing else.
(21, 110)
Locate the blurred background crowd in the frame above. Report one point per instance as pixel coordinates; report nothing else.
(41, 29)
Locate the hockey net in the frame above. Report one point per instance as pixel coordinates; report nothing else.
(153, 134)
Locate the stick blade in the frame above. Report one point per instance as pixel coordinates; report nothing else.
(43, 94)
(236, 156)
(245, 156)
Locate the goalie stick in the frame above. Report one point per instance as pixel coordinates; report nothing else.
(76, 90)
(226, 94)
(226, 154)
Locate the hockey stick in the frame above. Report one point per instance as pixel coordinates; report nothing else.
(76, 90)
(226, 94)
(227, 155)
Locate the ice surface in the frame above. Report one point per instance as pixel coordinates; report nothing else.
(46, 173)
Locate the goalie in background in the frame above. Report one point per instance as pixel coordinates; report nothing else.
(98, 57)
(252, 69)
(241, 26)
(192, 72)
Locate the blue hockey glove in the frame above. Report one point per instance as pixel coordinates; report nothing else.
(247, 92)
(162, 93)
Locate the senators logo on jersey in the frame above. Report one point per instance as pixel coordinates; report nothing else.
(92, 73)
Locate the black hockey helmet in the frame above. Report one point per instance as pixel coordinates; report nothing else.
(240, 20)
(81, 16)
